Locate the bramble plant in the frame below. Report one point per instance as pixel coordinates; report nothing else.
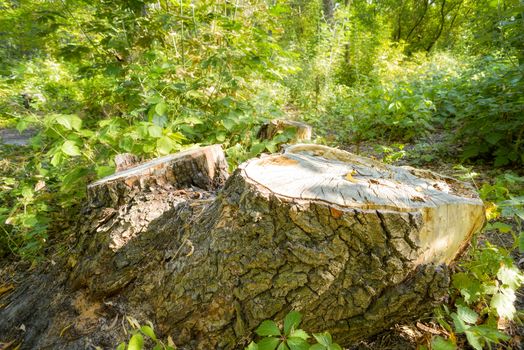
(290, 337)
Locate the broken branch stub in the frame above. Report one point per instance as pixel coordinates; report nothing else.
(204, 167)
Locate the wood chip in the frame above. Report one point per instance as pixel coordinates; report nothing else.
(425, 328)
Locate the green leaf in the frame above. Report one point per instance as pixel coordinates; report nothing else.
(148, 331)
(136, 342)
(469, 286)
(121, 346)
(70, 148)
(57, 158)
(69, 121)
(164, 145)
(510, 276)
(257, 148)
(229, 124)
(221, 137)
(317, 347)
(299, 333)
(271, 147)
(460, 326)
(521, 242)
(161, 108)
(292, 321)
(283, 346)
(29, 220)
(439, 343)
(503, 301)
(490, 332)
(466, 314)
(269, 343)
(22, 125)
(502, 227)
(155, 131)
(103, 170)
(474, 340)
(323, 338)
(252, 346)
(267, 328)
(297, 343)
(334, 346)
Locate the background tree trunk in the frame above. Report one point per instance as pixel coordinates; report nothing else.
(353, 244)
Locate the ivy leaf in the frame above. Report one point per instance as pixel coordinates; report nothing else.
(291, 321)
(466, 314)
(136, 342)
(269, 343)
(521, 242)
(267, 328)
(70, 148)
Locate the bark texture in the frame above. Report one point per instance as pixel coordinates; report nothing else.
(353, 244)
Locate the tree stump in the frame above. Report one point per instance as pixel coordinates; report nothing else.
(355, 245)
(272, 128)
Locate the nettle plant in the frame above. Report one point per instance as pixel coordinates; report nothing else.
(290, 337)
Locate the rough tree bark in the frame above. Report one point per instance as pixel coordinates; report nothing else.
(353, 244)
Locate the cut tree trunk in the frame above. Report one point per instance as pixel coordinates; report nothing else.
(355, 245)
(270, 129)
